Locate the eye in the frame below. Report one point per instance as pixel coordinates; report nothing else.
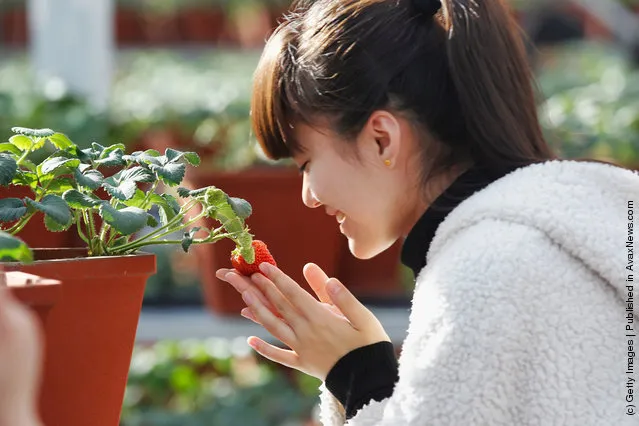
(303, 167)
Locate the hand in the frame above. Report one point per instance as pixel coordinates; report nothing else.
(20, 361)
(314, 275)
(318, 337)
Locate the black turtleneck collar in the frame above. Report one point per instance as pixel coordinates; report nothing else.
(418, 241)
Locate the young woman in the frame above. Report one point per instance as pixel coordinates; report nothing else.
(415, 120)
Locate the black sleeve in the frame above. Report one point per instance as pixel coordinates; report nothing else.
(364, 374)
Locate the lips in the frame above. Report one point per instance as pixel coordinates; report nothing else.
(341, 217)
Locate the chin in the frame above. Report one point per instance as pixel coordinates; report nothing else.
(367, 249)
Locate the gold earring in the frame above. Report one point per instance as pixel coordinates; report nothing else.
(387, 162)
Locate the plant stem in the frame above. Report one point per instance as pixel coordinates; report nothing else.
(21, 224)
(92, 224)
(210, 239)
(80, 233)
(24, 156)
(165, 230)
(148, 195)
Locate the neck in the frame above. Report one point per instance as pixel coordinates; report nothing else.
(435, 187)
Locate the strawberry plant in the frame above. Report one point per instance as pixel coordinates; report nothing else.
(66, 184)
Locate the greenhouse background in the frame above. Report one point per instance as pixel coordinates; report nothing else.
(154, 74)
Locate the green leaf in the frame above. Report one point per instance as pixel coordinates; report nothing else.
(53, 206)
(112, 148)
(173, 155)
(192, 158)
(126, 221)
(78, 200)
(26, 178)
(23, 143)
(137, 200)
(120, 241)
(38, 133)
(14, 249)
(87, 155)
(11, 209)
(149, 156)
(183, 192)
(123, 191)
(8, 169)
(187, 240)
(112, 160)
(39, 143)
(91, 179)
(97, 148)
(60, 185)
(8, 147)
(61, 141)
(241, 207)
(169, 208)
(151, 221)
(171, 173)
(171, 201)
(29, 165)
(58, 164)
(54, 226)
(136, 174)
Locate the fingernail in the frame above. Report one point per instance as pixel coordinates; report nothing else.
(333, 287)
(266, 268)
(246, 313)
(248, 297)
(228, 276)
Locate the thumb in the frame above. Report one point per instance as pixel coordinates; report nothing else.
(351, 308)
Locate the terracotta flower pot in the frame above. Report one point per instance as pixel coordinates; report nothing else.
(294, 233)
(128, 26)
(89, 333)
(203, 25)
(14, 27)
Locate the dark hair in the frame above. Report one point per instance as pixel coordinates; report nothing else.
(461, 76)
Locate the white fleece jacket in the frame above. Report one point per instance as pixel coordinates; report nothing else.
(519, 317)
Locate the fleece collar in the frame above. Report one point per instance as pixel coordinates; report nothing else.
(418, 241)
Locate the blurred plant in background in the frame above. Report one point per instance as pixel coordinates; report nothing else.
(591, 106)
(214, 382)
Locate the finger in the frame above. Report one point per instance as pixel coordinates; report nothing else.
(358, 315)
(242, 284)
(285, 357)
(274, 325)
(246, 313)
(291, 290)
(289, 312)
(221, 273)
(317, 278)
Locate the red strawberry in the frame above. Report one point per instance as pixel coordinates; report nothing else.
(261, 255)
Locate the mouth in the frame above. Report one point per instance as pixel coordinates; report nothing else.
(341, 217)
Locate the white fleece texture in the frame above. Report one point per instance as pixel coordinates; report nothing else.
(519, 316)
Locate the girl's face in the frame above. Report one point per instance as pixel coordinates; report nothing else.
(374, 204)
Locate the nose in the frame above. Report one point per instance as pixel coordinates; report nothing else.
(309, 199)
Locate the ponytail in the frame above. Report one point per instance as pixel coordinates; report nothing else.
(494, 82)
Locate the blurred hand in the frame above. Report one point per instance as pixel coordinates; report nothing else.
(20, 361)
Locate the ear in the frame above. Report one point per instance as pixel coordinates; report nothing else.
(382, 137)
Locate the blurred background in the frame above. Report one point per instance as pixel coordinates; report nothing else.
(177, 73)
